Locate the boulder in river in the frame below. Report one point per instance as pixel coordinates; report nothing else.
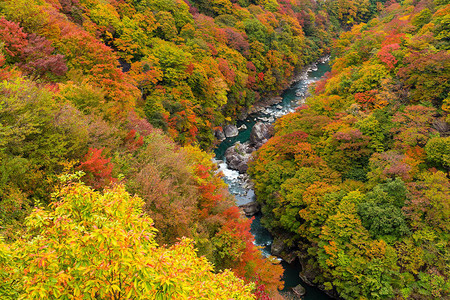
(251, 208)
(275, 100)
(230, 131)
(219, 134)
(261, 105)
(299, 291)
(261, 132)
(237, 156)
(242, 127)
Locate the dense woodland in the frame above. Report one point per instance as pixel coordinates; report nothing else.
(107, 114)
(357, 179)
(125, 94)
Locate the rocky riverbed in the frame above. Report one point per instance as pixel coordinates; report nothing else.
(239, 155)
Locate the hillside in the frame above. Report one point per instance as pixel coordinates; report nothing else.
(356, 181)
(112, 98)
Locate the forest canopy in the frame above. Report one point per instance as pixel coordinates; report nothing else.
(357, 179)
(128, 94)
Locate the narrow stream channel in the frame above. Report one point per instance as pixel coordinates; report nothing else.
(291, 99)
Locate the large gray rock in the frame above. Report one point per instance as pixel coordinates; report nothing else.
(238, 155)
(261, 105)
(299, 291)
(250, 209)
(242, 127)
(261, 132)
(219, 134)
(230, 131)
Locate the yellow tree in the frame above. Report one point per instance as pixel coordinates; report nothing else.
(101, 246)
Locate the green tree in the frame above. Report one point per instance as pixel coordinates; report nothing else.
(438, 151)
(383, 219)
(37, 138)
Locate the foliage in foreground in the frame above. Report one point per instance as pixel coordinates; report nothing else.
(92, 245)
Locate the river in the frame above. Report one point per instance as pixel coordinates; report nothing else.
(291, 99)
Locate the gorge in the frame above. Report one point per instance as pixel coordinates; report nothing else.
(110, 111)
(239, 183)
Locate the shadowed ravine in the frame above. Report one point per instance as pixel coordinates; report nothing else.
(236, 183)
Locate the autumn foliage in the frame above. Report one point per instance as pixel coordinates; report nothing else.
(91, 245)
(129, 92)
(365, 191)
(97, 167)
(67, 106)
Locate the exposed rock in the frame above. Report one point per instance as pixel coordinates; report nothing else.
(261, 105)
(299, 291)
(261, 132)
(259, 145)
(280, 249)
(288, 295)
(255, 109)
(268, 119)
(289, 256)
(230, 131)
(308, 273)
(251, 149)
(251, 209)
(242, 127)
(247, 183)
(276, 100)
(237, 156)
(442, 126)
(278, 246)
(219, 134)
(324, 59)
